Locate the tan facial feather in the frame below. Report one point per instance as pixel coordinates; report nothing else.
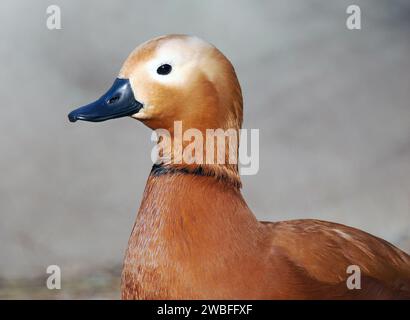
(202, 89)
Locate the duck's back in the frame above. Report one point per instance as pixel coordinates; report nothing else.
(326, 254)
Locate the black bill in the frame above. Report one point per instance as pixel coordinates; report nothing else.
(117, 102)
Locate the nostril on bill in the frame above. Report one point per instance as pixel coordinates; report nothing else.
(113, 99)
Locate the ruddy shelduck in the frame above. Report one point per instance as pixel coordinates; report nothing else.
(194, 235)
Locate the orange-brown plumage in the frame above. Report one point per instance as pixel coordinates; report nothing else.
(201, 241)
(194, 235)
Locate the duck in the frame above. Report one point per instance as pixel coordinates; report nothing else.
(194, 236)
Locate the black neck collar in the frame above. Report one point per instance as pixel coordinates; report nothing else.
(160, 169)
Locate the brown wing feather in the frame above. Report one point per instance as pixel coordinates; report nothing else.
(324, 250)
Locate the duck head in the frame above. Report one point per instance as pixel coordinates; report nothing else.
(172, 78)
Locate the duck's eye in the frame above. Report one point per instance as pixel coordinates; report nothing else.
(164, 69)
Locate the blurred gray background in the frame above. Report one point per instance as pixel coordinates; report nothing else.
(332, 106)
